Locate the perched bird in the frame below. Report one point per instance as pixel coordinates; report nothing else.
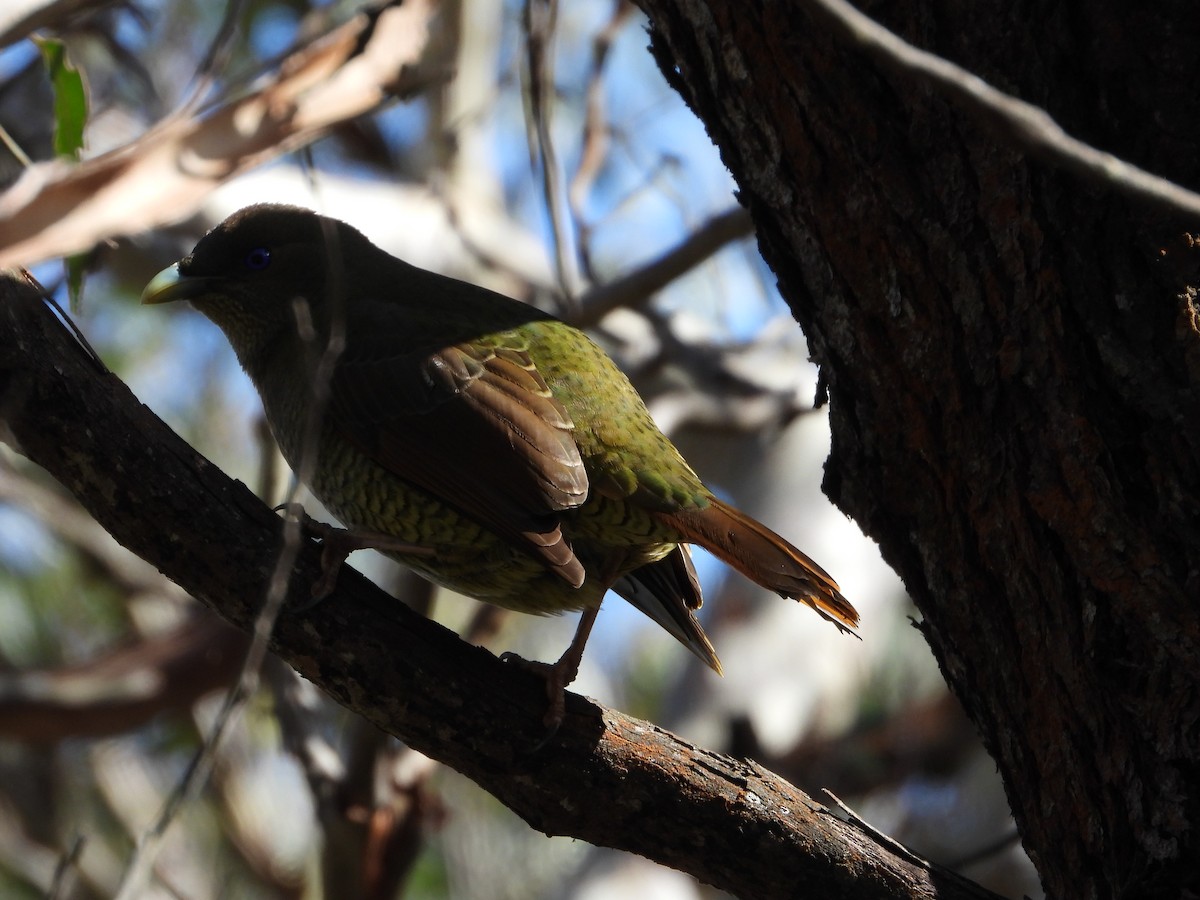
(491, 447)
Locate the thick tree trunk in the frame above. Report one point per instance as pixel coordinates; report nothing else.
(1013, 368)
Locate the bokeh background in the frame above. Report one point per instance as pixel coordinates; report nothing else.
(544, 155)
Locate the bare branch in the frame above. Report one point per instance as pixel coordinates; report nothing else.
(123, 689)
(607, 778)
(20, 18)
(56, 209)
(1023, 124)
(639, 285)
(595, 129)
(540, 20)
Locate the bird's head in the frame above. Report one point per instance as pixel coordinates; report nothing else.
(265, 274)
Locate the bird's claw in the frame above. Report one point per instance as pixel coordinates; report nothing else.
(338, 543)
(556, 680)
(297, 512)
(558, 675)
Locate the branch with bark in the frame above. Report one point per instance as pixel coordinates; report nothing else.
(57, 208)
(607, 778)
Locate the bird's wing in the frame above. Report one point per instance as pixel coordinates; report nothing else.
(474, 424)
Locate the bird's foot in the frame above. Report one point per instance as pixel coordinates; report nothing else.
(556, 677)
(300, 514)
(338, 543)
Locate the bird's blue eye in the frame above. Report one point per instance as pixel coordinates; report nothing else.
(258, 259)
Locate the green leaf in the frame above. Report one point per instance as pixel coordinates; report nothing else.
(70, 118)
(70, 98)
(76, 266)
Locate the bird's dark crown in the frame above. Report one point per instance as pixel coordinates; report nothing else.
(255, 242)
(249, 273)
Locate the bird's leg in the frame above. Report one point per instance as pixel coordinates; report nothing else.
(559, 675)
(338, 543)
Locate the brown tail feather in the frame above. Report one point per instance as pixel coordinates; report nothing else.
(764, 557)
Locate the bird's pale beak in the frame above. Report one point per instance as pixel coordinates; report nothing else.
(169, 285)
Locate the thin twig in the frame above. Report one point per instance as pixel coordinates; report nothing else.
(200, 767)
(1029, 127)
(48, 298)
(992, 848)
(637, 286)
(14, 148)
(540, 20)
(215, 57)
(67, 863)
(887, 841)
(595, 130)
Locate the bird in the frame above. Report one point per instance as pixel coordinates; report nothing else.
(491, 447)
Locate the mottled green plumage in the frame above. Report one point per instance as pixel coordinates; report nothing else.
(498, 438)
(476, 561)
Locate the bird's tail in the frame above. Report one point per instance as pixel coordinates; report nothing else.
(668, 591)
(764, 557)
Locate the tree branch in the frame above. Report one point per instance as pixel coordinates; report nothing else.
(607, 778)
(639, 285)
(122, 689)
(57, 209)
(20, 18)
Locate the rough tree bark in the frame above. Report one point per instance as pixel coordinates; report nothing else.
(1013, 369)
